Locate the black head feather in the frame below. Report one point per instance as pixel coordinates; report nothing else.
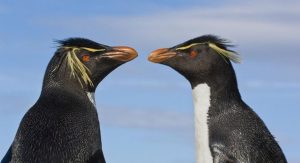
(80, 42)
(220, 42)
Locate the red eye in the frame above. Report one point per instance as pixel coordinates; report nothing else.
(193, 54)
(86, 58)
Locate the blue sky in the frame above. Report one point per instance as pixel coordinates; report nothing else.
(145, 109)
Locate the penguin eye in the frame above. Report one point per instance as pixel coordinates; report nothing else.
(85, 58)
(193, 54)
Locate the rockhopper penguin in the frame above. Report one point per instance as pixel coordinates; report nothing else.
(63, 125)
(227, 130)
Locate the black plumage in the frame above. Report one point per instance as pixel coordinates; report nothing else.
(236, 133)
(63, 125)
(80, 42)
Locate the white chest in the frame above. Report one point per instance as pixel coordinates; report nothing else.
(201, 97)
(91, 96)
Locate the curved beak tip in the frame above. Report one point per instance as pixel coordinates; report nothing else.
(160, 55)
(124, 53)
(151, 58)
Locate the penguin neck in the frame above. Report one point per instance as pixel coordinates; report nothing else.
(69, 87)
(58, 80)
(212, 96)
(223, 88)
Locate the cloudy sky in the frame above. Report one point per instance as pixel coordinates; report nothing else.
(145, 109)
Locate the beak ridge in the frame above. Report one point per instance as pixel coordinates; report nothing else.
(122, 53)
(161, 55)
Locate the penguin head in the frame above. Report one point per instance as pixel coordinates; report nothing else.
(84, 63)
(198, 58)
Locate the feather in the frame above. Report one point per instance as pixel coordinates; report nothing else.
(226, 53)
(231, 55)
(78, 69)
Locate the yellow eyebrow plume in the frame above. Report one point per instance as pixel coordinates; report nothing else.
(189, 46)
(78, 69)
(224, 53)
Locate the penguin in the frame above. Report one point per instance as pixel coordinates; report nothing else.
(63, 125)
(227, 130)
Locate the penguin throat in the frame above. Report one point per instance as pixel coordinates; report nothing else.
(201, 98)
(91, 96)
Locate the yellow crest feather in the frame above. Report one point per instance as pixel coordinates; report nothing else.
(226, 53)
(188, 46)
(223, 53)
(78, 69)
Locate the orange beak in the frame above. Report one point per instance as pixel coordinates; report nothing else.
(160, 55)
(121, 53)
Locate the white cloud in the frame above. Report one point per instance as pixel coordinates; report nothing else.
(294, 160)
(272, 84)
(262, 22)
(142, 118)
(258, 8)
(149, 83)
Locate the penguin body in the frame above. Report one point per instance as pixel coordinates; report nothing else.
(227, 130)
(63, 125)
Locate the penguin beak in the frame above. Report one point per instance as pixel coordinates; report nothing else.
(121, 53)
(160, 55)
